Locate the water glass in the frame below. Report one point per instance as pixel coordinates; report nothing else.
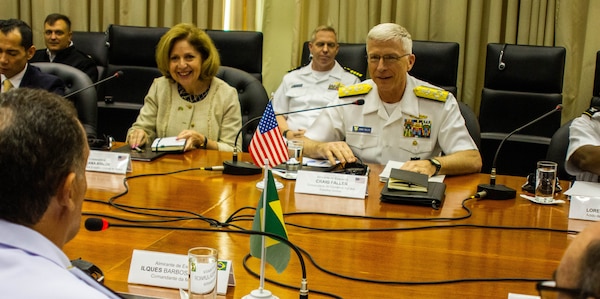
(545, 181)
(202, 270)
(295, 148)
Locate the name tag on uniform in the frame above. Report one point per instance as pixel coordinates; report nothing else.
(417, 128)
(297, 85)
(360, 129)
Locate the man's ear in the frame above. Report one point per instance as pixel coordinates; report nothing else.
(411, 61)
(66, 191)
(30, 52)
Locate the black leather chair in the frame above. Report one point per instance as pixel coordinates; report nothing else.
(95, 45)
(84, 100)
(131, 49)
(557, 150)
(597, 76)
(240, 49)
(352, 56)
(252, 96)
(437, 63)
(521, 83)
(471, 122)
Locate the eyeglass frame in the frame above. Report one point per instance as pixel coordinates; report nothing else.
(387, 59)
(550, 285)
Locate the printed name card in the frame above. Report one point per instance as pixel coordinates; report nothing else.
(585, 203)
(170, 270)
(112, 162)
(331, 184)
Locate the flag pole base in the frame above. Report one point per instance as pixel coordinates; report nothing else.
(261, 184)
(260, 294)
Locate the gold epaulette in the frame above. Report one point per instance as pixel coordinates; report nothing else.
(590, 111)
(431, 93)
(298, 67)
(354, 90)
(353, 72)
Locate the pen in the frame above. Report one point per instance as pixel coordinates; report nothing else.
(137, 149)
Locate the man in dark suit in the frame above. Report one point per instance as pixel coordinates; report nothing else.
(16, 48)
(60, 48)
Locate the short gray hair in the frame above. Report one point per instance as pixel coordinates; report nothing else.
(391, 32)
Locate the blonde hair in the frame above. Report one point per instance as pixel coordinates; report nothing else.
(198, 39)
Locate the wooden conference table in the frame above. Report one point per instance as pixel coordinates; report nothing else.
(422, 255)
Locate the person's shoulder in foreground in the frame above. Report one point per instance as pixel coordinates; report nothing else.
(43, 154)
(578, 274)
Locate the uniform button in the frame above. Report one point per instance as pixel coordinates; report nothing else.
(415, 142)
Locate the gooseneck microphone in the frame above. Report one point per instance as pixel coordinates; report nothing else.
(115, 75)
(100, 224)
(493, 191)
(236, 167)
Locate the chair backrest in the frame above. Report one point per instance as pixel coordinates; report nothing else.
(240, 49)
(352, 56)
(95, 45)
(597, 76)
(84, 100)
(471, 122)
(252, 96)
(131, 50)
(557, 150)
(521, 83)
(437, 63)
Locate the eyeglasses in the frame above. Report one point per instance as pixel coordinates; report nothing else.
(387, 59)
(549, 290)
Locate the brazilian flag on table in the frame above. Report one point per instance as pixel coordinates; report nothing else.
(277, 253)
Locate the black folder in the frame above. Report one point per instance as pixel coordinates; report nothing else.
(434, 197)
(145, 155)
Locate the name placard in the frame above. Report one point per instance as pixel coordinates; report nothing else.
(585, 207)
(111, 162)
(170, 270)
(332, 184)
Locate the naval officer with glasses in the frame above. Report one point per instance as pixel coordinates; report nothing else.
(403, 119)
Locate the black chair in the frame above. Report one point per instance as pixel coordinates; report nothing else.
(557, 150)
(597, 76)
(240, 49)
(471, 122)
(131, 49)
(95, 45)
(521, 83)
(252, 96)
(437, 63)
(84, 100)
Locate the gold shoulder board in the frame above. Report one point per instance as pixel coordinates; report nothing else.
(353, 72)
(431, 93)
(591, 111)
(354, 90)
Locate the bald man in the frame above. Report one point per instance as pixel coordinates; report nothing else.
(578, 274)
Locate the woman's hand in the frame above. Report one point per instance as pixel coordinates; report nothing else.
(137, 138)
(194, 139)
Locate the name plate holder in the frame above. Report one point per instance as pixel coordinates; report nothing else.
(111, 162)
(331, 184)
(585, 202)
(170, 270)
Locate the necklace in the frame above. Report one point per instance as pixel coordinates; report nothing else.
(190, 97)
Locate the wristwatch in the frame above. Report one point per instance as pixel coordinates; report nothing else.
(437, 165)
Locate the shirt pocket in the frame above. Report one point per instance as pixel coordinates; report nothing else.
(295, 92)
(421, 147)
(361, 140)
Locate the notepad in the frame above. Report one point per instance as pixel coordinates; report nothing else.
(407, 180)
(168, 144)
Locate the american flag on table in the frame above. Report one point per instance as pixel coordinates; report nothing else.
(267, 142)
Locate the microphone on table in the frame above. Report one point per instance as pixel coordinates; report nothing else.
(115, 75)
(100, 224)
(493, 191)
(236, 167)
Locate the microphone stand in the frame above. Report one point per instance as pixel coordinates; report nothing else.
(115, 75)
(493, 191)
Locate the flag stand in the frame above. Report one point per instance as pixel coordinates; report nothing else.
(261, 293)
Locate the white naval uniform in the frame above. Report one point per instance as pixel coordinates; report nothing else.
(583, 131)
(303, 89)
(376, 137)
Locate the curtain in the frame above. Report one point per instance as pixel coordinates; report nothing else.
(286, 24)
